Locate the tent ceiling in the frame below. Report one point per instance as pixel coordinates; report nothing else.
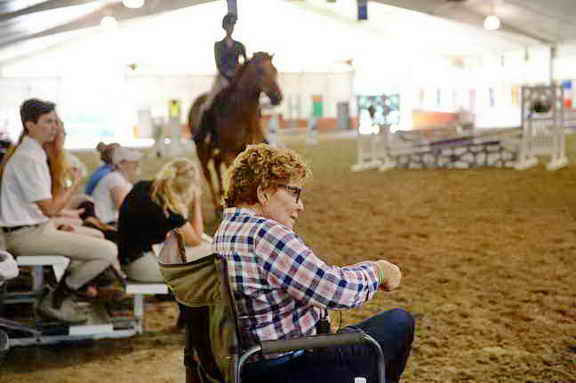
(22, 20)
(547, 22)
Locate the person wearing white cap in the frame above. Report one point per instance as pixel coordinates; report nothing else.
(113, 188)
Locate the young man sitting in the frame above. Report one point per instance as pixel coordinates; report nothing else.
(27, 206)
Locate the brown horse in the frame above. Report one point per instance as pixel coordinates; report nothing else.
(233, 120)
(194, 114)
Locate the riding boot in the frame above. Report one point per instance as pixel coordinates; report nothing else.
(107, 278)
(61, 292)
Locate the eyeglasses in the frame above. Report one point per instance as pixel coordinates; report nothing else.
(295, 190)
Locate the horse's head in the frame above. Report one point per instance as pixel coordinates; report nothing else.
(267, 76)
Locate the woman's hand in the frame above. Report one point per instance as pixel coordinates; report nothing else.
(390, 275)
(71, 213)
(76, 175)
(66, 227)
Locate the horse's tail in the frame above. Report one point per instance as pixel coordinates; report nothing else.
(195, 114)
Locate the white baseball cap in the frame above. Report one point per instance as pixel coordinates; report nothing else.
(124, 154)
(8, 266)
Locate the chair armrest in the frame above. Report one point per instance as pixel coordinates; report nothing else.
(316, 341)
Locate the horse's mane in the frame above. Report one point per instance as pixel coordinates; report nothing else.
(226, 92)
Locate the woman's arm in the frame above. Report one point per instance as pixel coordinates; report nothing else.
(118, 194)
(218, 59)
(192, 231)
(71, 213)
(52, 207)
(290, 265)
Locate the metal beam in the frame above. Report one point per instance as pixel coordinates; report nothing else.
(119, 11)
(44, 6)
(461, 14)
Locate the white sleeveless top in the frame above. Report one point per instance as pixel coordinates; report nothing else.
(104, 205)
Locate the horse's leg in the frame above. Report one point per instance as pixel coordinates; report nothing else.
(218, 168)
(204, 151)
(226, 159)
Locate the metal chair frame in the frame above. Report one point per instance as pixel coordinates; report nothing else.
(240, 353)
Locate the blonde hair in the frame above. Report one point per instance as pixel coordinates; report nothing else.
(176, 185)
(57, 162)
(261, 166)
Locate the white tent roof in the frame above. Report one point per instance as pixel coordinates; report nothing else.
(309, 35)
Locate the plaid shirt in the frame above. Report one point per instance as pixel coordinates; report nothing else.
(282, 288)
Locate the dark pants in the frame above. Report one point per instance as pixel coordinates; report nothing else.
(393, 330)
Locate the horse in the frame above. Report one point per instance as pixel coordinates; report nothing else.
(195, 113)
(233, 120)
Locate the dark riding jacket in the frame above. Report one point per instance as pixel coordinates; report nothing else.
(227, 58)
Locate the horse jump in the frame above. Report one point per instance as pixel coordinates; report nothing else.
(542, 133)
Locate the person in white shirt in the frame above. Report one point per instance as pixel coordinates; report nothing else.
(27, 205)
(8, 267)
(113, 188)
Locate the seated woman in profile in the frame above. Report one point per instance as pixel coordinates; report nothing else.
(154, 208)
(106, 167)
(110, 192)
(284, 290)
(79, 215)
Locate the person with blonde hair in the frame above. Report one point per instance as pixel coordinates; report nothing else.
(154, 208)
(62, 164)
(284, 290)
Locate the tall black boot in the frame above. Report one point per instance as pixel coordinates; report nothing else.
(61, 292)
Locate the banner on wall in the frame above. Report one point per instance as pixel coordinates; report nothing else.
(362, 9)
(568, 97)
(317, 106)
(381, 110)
(232, 7)
(515, 93)
(174, 109)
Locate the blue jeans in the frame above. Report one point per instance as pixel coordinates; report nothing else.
(392, 329)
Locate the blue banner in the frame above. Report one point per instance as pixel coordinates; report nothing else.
(232, 8)
(362, 9)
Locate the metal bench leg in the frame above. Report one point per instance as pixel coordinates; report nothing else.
(37, 278)
(139, 312)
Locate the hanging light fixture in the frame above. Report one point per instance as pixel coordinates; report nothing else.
(133, 3)
(109, 23)
(492, 22)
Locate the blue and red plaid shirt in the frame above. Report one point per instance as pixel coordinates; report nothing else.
(281, 287)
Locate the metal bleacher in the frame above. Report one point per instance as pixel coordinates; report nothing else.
(38, 331)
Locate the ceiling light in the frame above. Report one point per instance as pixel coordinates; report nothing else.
(109, 22)
(133, 3)
(491, 23)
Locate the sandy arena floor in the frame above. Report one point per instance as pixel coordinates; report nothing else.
(489, 264)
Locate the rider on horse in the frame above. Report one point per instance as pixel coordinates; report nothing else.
(227, 54)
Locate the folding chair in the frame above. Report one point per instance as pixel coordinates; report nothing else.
(240, 353)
